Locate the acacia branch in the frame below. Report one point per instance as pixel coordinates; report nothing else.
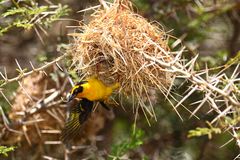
(202, 84)
(24, 74)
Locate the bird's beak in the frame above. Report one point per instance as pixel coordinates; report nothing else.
(70, 97)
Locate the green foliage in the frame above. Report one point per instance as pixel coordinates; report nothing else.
(2, 82)
(142, 4)
(235, 60)
(204, 131)
(120, 149)
(29, 14)
(214, 60)
(234, 120)
(8, 91)
(42, 57)
(185, 17)
(59, 12)
(24, 10)
(4, 150)
(205, 16)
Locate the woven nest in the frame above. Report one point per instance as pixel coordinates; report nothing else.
(114, 45)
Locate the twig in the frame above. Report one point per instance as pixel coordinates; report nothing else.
(49, 158)
(201, 83)
(24, 74)
(104, 4)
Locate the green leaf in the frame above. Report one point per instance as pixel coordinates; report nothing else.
(36, 11)
(4, 29)
(23, 23)
(4, 150)
(122, 148)
(14, 11)
(27, 17)
(235, 60)
(2, 82)
(201, 131)
(42, 57)
(59, 12)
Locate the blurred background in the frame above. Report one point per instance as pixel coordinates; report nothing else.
(210, 28)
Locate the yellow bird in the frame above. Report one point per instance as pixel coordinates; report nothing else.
(92, 89)
(87, 91)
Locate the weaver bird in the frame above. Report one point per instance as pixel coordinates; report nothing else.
(78, 115)
(93, 90)
(87, 91)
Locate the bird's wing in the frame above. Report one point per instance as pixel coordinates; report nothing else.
(104, 105)
(78, 116)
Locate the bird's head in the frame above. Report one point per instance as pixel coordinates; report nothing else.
(77, 89)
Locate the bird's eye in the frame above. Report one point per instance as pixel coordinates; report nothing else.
(75, 91)
(78, 90)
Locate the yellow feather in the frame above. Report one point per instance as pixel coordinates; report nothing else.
(95, 90)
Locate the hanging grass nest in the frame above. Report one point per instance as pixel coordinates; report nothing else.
(114, 45)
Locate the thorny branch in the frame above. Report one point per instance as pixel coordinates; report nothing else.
(50, 103)
(221, 98)
(24, 74)
(202, 84)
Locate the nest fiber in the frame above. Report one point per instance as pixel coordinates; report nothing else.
(114, 45)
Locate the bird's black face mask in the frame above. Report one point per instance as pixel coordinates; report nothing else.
(74, 92)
